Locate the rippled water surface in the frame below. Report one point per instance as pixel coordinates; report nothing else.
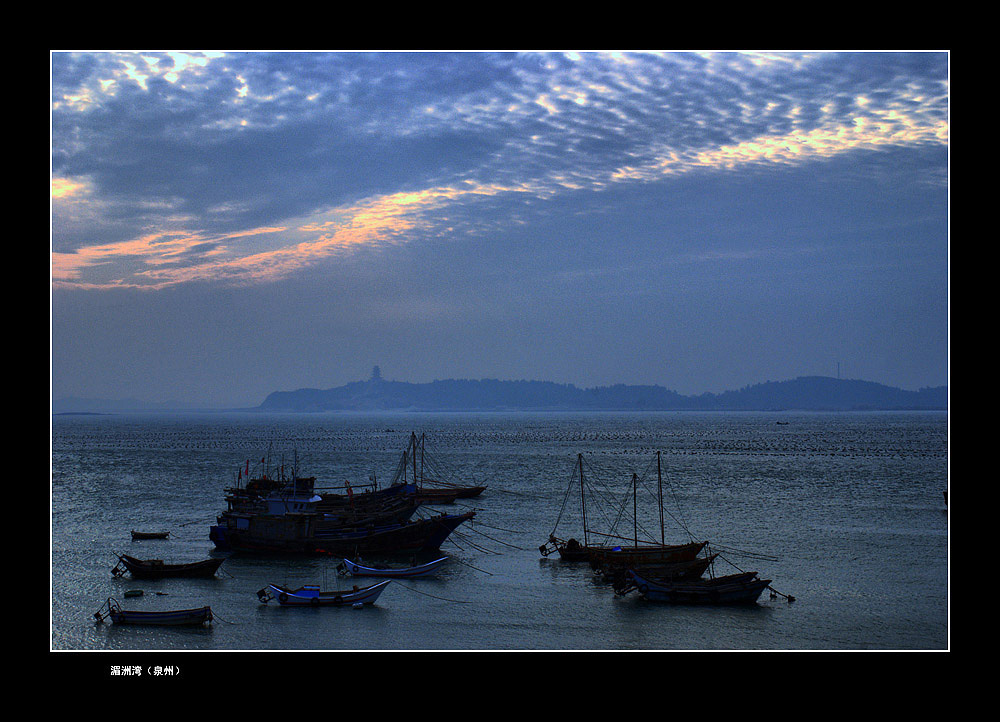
(844, 511)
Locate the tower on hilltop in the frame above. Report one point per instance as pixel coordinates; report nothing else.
(376, 373)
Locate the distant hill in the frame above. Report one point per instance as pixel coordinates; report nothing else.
(816, 393)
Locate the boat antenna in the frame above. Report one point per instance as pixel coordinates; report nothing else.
(583, 501)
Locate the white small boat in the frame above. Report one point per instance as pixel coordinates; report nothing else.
(359, 570)
(309, 595)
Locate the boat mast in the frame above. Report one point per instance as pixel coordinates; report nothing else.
(422, 437)
(583, 501)
(413, 444)
(635, 518)
(659, 493)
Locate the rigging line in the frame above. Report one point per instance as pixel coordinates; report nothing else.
(749, 554)
(443, 599)
(789, 597)
(475, 546)
(679, 521)
(605, 496)
(499, 541)
(569, 487)
(471, 566)
(499, 528)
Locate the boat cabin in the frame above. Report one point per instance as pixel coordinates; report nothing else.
(278, 504)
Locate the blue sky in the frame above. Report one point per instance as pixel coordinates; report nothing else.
(224, 225)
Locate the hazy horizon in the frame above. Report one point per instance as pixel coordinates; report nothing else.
(227, 225)
(188, 404)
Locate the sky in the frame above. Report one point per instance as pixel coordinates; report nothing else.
(229, 224)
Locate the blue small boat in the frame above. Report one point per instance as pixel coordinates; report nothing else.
(420, 570)
(309, 595)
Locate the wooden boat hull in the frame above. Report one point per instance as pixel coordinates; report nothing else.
(447, 494)
(171, 618)
(311, 595)
(436, 496)
(298, 534)
(675, 571)
(156, 569)
(601, 557)
(421, 570)
(733, 589)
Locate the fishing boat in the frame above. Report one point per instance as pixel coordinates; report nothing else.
(416, 464)
(305, 533)
(603, 556)
(199, 615)
(742, 588)
(310, 595)
(157, 569)
(420, 570)
(138, 535)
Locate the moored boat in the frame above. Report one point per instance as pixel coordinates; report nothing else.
(742, 588)
(419, 570)
(305, 534)
(603, 556)
(138, 535)
(158, 569)
(310, 595)
(177, 617)
(430, 490)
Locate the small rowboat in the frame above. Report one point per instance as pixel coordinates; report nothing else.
(137, 535)
(177, 617)
(310, 595)
(157, 569)
(359, 570)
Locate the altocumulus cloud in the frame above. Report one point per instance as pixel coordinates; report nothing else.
(170, 168)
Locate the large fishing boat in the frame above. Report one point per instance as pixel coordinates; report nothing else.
(292, 523)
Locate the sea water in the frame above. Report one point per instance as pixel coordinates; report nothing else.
(845, 512)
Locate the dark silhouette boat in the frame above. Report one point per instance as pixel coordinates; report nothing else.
(177, 617)
(158, 569)
(139, 535)
(742, 588)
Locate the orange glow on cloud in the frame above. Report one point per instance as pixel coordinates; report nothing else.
(64, 188)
